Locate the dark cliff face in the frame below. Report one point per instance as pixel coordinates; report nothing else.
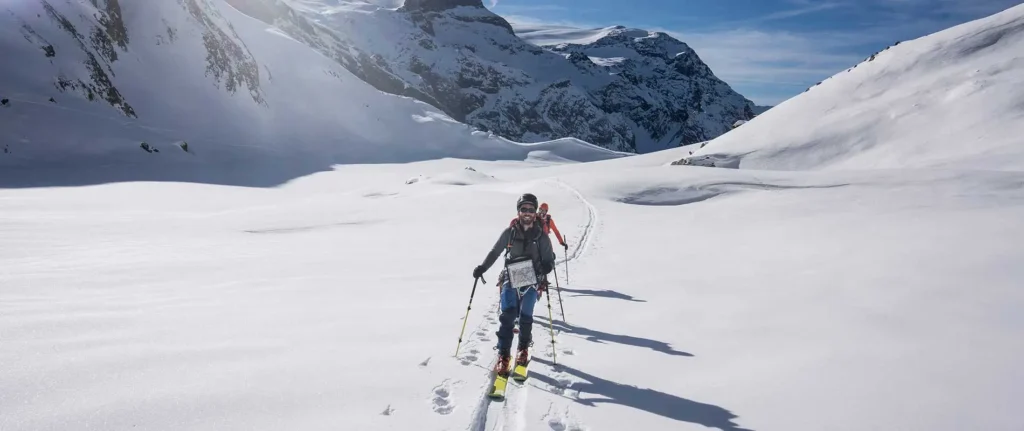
(439, 5)
(662, 87)
(424, 12)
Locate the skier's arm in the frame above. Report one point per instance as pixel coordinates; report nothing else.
(499, 246)
(557, 233)
(547, 254)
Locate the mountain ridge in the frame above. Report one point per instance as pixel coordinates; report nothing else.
(462, 58)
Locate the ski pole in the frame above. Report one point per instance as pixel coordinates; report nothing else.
(566, 265)
(466, 319)
(554, 353)
(559, 290)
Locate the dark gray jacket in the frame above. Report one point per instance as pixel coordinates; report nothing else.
(531, 243)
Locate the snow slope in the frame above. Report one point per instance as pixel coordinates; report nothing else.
(695, 298)
(950, 99)
(237, 91)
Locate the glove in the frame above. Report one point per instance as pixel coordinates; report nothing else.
(479, 271)
(565, 246)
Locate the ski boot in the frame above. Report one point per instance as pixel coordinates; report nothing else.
(502, 368)
(521, 369)
(523, 357)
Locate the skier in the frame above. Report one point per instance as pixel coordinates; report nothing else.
(548, 224)
(529, 257)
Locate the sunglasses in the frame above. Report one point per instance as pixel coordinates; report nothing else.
(528, 210)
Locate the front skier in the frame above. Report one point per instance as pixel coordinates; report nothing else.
(529, 257)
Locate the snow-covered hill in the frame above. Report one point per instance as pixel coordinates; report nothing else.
(951, 99)
(627, 89)
(138, 83)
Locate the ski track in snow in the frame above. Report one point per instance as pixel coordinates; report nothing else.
(583, 242)
(510, 414)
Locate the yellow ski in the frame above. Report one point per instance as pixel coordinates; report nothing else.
(519, 373)
(498, 389)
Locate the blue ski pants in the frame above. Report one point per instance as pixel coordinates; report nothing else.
(516, 304)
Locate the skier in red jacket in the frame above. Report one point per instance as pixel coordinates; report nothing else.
(548, 224)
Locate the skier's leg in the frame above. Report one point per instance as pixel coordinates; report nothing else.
(509, 306)
(526, 318)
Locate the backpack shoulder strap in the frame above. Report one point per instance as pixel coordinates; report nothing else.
(512, 228)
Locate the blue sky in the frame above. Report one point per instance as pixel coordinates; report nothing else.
(768, 50)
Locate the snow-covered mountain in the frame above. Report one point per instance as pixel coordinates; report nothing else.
(949, 99)
(626, 89)
(87, 83)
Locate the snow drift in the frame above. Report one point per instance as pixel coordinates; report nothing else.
(950, 99)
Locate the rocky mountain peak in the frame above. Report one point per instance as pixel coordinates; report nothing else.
(425, 12)
(646, 43)
(439, 5)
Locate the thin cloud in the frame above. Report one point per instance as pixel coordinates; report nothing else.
(531, 23)
(944, 12)
(753, 60)
(809, 8)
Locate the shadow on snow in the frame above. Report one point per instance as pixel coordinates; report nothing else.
(603, 337)
(649, 400)
(605, 293)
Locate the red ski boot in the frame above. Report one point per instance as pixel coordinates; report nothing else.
(502, 368)
(523, 357)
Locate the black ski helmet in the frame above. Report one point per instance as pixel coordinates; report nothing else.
(526, 198)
